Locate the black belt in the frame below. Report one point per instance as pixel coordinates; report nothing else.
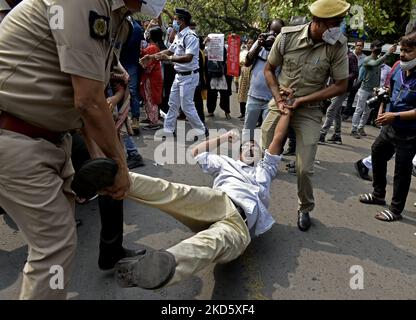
(240, 211)
(187, 73)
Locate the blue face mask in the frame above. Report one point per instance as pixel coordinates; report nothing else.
(176, 25)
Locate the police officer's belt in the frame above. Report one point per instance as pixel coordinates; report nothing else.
(11, 123)
(187, 73)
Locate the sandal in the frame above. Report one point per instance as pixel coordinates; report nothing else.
(291, 165)
(369, 198)
(388, 216)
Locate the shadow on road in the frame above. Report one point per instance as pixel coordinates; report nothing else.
(271, 260)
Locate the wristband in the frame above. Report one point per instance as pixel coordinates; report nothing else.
(397, 116)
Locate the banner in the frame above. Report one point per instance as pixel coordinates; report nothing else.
(233, 56)
(153, 8)
(215, 47)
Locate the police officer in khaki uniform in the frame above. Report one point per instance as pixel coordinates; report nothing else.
(55, 61)
(308, 55)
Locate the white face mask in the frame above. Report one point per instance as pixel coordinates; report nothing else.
(332, 35)
(408, 65)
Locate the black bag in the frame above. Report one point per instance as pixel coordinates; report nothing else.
(215, 69)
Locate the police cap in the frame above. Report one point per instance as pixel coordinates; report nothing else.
(182, 13)
(329, 8)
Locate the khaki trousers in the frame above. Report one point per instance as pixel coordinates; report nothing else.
(222, 234)
(306, 121)
(35, 178)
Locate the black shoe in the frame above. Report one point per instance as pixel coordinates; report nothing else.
(291, 164)
(362, 170)
(166, 135)
(289, 152)
(241, 116)
(152, 270)
(322, 139)
(335, 139)
(135, 161)
(291, 170)
(362, 133)
(206, 135)
(108, 258)
(304, 221)
(93, 176)
(355, 135)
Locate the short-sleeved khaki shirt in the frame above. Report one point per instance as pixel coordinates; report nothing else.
(39, 52)
(306, 66)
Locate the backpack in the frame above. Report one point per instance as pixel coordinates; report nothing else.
(215, 69)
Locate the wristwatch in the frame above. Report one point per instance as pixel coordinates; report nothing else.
(397, 116)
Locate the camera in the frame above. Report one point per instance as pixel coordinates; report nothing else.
(265, 35)
(381, 94)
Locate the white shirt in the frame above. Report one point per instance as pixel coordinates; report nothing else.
(247, 186)
(186, 42)
(360, 59)
(385, 70)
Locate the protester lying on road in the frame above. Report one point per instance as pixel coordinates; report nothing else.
(224, 217)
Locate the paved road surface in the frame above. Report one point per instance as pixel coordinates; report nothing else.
(282, 264)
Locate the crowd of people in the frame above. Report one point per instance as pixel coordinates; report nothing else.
(72, 99)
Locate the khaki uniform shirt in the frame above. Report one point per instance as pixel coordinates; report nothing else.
(306, 66)
(39, 52)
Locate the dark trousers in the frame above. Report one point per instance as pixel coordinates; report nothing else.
(349, 110)
(111, 211)
(243, 108)
(111, 214)
(212, 100)
(212, 96)
(168, 78)
(199, 103)
(291, 135)
(403, 144)
(292, 139)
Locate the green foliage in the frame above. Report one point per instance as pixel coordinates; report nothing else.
(386, 19)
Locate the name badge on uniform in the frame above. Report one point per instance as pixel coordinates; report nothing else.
(99, 26)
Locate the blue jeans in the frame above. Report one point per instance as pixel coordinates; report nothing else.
(254, 107)
(130, 146)
(135, 100)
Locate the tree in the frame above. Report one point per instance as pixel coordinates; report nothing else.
(385, 19)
